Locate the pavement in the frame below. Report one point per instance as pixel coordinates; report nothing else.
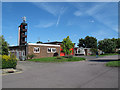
(81, 74)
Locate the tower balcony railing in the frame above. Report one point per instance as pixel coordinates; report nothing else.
(24, 35)
(25, 30)
(24, 42)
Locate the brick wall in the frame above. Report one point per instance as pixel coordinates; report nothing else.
(43, 51)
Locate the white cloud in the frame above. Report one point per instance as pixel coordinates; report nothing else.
(44, 25)
(91, 21)
(100, 34)
(96, 8)
(78, 13)
(47, 7)
(69, 23)
(48, 25)
(74, 35)
(89, 0)
(60, 0)
(54, 9)
(104, 18)
(115, 28)
(10, 37)
(12, 45)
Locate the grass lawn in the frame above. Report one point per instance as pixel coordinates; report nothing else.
(113, 64)
(57, 59)
(107, 54)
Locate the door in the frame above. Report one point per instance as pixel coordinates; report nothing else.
(86, 52)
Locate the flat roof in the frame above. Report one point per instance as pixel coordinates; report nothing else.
(82, 47)
(55, 42)
(17, 46)
(43, 44)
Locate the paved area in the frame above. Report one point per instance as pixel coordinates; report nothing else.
(112, 57)
(82, 74)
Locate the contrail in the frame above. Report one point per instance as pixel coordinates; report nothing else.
(58, 20)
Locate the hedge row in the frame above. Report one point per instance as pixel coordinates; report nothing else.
(8, 61)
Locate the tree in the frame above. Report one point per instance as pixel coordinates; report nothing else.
(3, 46)
(39, 42)
(81, 43)
(107, 45)
(67, 45)
(118, 43)
(115, 41)
(31, 56)
(88, 42)
(93, 50)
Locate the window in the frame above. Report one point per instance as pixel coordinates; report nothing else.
(51, 50)
(19, 53)
(78, 50)
(23, 53)
(36, 50)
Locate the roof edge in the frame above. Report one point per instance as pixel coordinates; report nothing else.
(43, 44)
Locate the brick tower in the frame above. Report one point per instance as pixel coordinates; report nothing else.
(22, 39)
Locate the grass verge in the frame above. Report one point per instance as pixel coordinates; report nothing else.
(113, 64)
(57, 59)
(107, 54)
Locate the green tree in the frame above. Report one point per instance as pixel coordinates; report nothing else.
(31, 56)
(93, 50)
(67, 45)
(107, 45)
(118, 43)
(39, 42)
(3, 46)
(115, 41)
(88, 42)
(81, 43)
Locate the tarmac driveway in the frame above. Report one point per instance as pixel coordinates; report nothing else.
(82, 74)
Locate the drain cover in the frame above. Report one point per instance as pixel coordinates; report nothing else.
(10, 71)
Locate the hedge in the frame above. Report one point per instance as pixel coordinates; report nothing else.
(8, 61)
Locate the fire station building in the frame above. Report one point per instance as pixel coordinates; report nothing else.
(23, 49)
(39, 50)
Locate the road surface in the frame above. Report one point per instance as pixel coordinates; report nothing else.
(82, 74)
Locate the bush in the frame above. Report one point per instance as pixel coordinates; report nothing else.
(8, 61)
(59, 57)
(76, 59)
(68, 56)
(55, 54)
(118, 51)
(93, 50)
(30, 56)
(113, 64)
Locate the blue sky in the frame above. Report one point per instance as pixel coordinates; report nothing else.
(55, 21)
